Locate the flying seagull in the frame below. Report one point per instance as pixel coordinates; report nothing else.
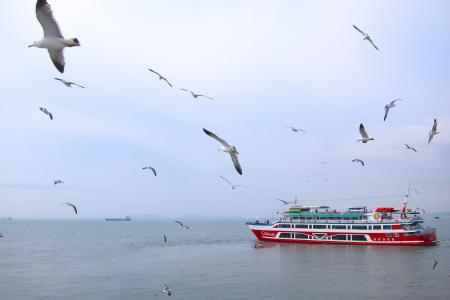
(433, 131)
(196, 95)
(388, 106)
(182, 225)
(160, 77)
(409, 147)
(365, 137)
(165, 238)
(357, 160)
(285, 202)
(167, 290)
(53, 40)
(227, 148)
(149, 168)
(232, 185)
(366, 37)
(435, 263)
(58, 181)
(68, 83)
(295, 129)
(73, 206)
(45, 111)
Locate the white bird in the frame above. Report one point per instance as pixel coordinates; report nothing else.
(53, 40)
(58, 181)
(69, 83)
(182, 225)
(160, 77)
(410, 148)
(435, 262)
(167, 290)
(388, 106)
(433, 131)
(285, 202)
(358, 160)
(227, 148)
(366, 37)
(149, 168)
(295, 129)
(365, 137)
(45, 111)
(196, 95)
(71, 205)
(232, 185)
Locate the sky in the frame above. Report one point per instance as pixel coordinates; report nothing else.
(268, 65)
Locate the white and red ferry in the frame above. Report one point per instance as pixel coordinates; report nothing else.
(357, 225)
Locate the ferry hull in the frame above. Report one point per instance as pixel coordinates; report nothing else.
(426, 239)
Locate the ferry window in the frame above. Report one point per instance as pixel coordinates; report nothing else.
(338, 226)
(389, 227)
(341, 237)
(301, 236)
(285, 235)
(376, 227)
(388, 235)
(285, 225)
(358, 237)
(363, 227)
(319, 226)
(301, 226)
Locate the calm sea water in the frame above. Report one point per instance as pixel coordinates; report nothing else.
(213, 260)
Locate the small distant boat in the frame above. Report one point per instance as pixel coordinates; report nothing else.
(127, 218)
(437, 217)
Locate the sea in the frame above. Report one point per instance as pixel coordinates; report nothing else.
(214, 259)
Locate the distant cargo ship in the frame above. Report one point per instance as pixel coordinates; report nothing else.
(127, 218)
(357, 225)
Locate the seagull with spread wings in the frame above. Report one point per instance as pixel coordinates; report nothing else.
(225, 147)
(160, 77)
(59, 181)
(295, 129)
(196, 95)
(232, 185)
(68, 83)
(389, 106)
(433, 131)
(410, 148)
(435, 263)
(53, 40)
(357, 160)
(365, 138)
(71, 205)
(167, 290)
(45, 111)
(150, 168)
(366, 37)
(285, 202)
(182, 225)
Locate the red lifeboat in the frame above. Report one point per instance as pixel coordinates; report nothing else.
(385, 210)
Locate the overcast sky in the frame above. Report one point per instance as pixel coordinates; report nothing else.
(268, 64)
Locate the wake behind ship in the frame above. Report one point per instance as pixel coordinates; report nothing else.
(357, 225)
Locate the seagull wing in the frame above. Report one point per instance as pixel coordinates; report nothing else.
(430, 137)
(59, 79)
(154, 72)
(78, 85)
(45, 17)
(386, 111)
(226, 180)
(362, 32)
(74, 208)
(216, 137)
(235, 160)
(185, 226)
(50, 115)
(244, 186)
(414, 149)
(165, 238)
(434, 126)
(363, 131)
(393, 102)
(154, 172)
(373, 44)
(167, 82)
(57, 58)
(179, 223)
(200, 95)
